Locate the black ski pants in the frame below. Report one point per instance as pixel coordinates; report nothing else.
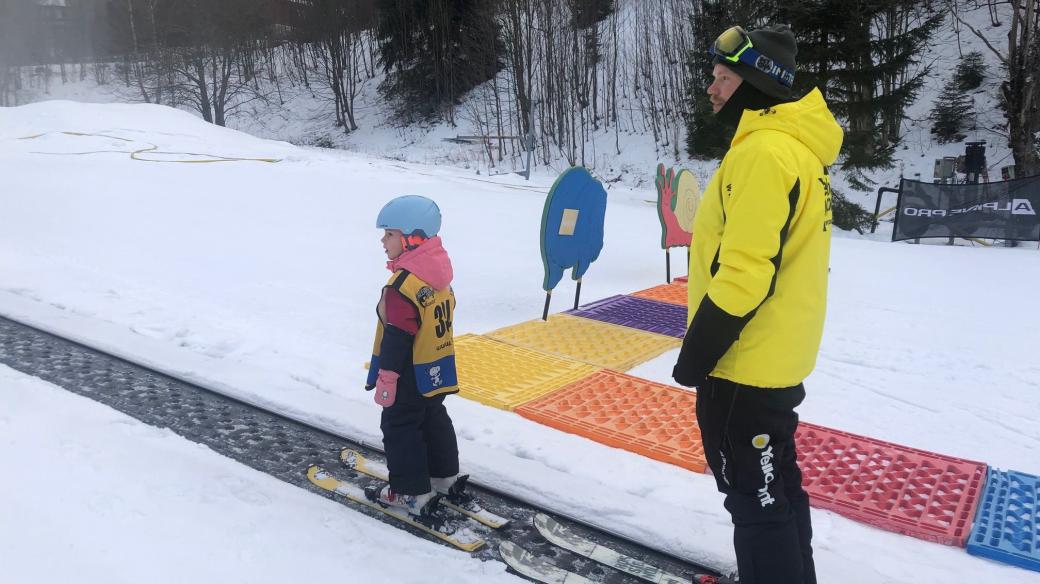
(419, 440)
(748, 437)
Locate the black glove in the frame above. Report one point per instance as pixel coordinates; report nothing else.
(710, 335)
(688, 375)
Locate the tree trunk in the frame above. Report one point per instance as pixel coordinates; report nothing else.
(1023, 89)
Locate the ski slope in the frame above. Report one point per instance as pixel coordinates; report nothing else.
(260, 278)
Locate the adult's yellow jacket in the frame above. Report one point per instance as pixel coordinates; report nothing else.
(760, 250)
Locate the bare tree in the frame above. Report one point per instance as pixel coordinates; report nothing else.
(139, 34)
(12, 55)
(1020, 90)
(211, 45)
(338, 36)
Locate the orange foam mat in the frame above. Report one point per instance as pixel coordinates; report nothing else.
(504, 376)
(641, 416)
(671, 293)
(598, 343)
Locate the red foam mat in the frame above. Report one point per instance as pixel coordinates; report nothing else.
(914, 492)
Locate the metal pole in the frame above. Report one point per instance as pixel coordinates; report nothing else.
(530, 140)
(667, 266)
(877, 205)
(527, 167)
(545, 311)
(577, 294)
(877, 211)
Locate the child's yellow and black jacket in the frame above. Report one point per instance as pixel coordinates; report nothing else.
(760, 250)
(419, 347)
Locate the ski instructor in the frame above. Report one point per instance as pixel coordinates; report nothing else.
(757, 296)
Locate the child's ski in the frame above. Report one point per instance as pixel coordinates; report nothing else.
(537, 567)
(565, 537)
(444, 529)
(457, 499)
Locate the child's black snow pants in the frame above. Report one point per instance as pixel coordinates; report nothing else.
(419, 439)
(748, 436)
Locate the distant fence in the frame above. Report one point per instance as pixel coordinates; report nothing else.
(997, 210)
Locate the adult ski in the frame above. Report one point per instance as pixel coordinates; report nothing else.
(568, 539)
(457, 499)
(452, 532)
(537, 567)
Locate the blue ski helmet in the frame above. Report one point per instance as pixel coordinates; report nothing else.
(411, 213)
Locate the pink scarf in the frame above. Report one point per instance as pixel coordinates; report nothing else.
(429, 262)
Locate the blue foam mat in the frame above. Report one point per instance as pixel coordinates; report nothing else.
(1007, 528)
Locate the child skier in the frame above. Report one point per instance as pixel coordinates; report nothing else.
(413, 361)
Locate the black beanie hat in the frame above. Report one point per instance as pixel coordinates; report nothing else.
(776, 42)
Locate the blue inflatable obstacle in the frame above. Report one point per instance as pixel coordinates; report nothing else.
(572, 228)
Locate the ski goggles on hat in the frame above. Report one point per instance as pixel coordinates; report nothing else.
(735, 46)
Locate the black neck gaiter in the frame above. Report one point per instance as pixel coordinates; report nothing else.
(746, 97)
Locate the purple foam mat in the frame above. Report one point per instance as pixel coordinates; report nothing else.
(639, 313)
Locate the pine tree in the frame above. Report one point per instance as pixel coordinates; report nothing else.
(706, 136)
(589, 12)
(971, 71)
(434, 51)
(849, 215)
(864, 62)
(952, 113)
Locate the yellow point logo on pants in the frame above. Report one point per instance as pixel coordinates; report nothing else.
(760, 441)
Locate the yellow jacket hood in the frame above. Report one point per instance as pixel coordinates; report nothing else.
(807, 120)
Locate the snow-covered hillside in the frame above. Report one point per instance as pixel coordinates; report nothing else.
(301, 115)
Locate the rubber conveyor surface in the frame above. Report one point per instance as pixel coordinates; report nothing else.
(267, 441)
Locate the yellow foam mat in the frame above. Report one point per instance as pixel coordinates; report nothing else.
(505, 376)
(594, 342)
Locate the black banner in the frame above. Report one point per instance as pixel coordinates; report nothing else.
(998, 210)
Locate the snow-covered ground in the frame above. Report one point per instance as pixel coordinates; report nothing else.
(94, 496)
(259, 279)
